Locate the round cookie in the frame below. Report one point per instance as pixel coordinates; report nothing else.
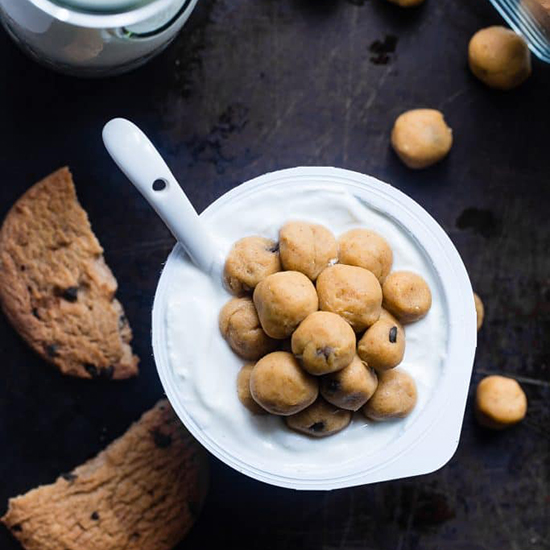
(407, 296)
(480, 311)
(307, 248)
(351, 292)
(250, 261)
(243, 390)
(421, 137)
(281, 386)
(324, 343)
(383, 344)
(366, 249)
(500, 402)
(283, 300)
(240, 326)
(395, 396)
(319, 420)
(499, 57)
(351, 387)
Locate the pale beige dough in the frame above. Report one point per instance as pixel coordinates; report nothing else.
(283, 300)
(351, 387)
(324, 343)
(407, 296)
(395, 396)
(500, 402)
(307, 248)
(499, 57)
(480, 311)
(366, 249)
(281, 386)
(250, 261)
(240, 326)
(243, 390)
(319, 420)
(352, 292)
(421, 137)
(383, 344)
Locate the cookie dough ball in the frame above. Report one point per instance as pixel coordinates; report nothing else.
(366, 249)
(283, 300)
(407, 296)
(324, 343)
(499, 57)
(281, 386)
(395, 396)
(421, 137)
(243, 390)
(307, 248)
(350, 388)
(480, 310)
(500, 402)
(240, 326)
(351, 292)
(250, 261)
(319, 420)
(407, 3)
(383, 344)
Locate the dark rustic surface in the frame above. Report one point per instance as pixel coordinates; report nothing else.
(256, 85)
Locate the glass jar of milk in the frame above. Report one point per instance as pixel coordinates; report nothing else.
(94, 37)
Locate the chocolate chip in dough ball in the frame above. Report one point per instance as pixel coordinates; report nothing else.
(283, 300)
(307, 248)
(351, 292)
(243, 390)
(480, 310)
(407, 296)
(240, 326)
(383, 344)
(350, 388)
(500, 402)
(319, 420)
(421, 137)
(499, 57)
(395, 396)
(250, 261)
(324, 343)
(281, 386)
(366, 249)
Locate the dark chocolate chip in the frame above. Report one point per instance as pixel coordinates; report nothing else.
(333, 385)
(23, 267)
(274, 248)
(122, 322)
(35, 313)
(17, 528)
(317, 427)
(51, 350)
(393, 335)
(135, 536)
(94, 516)
(161, 440)
(326, 351)
(69, 477)
(107, 373)
(70, 294)
(92, 370)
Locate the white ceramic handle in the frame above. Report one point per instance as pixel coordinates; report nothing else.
(137, 157)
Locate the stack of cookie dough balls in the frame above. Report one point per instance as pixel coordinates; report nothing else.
(321, 321)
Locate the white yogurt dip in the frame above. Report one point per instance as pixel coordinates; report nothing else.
(206, 369)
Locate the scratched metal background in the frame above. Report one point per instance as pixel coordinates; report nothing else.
(256, 85)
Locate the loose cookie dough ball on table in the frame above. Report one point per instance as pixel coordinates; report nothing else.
(319, 420)
(243, 390)
(283, 300)
(250, 261)
(281, 386)
(307, 248)
(499, 57)
(240, 326)
(395, 396)
(480, 310)
(366, 249)
(421, 137)
(407, 296)
(351, 292)
(500, 402)
(383, 344)
(324, 343)
(351, 387)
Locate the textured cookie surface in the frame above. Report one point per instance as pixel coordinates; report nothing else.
(56, 288)
(143, 492)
